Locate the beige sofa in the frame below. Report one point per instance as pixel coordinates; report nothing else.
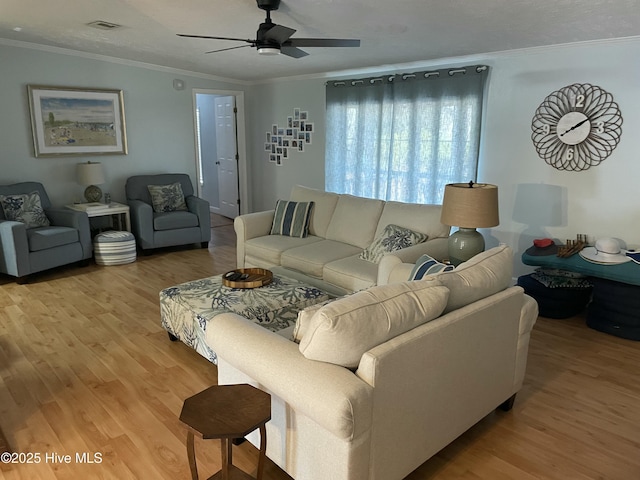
(381, 380)
(340, 227)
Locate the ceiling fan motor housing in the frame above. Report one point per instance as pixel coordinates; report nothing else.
(262, 39)
(268, 5)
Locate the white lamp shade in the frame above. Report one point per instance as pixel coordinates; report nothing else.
(90, 173)
(470, 205)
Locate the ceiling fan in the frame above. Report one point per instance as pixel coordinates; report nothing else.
(272, 39)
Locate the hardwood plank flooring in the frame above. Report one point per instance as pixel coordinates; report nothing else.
(86, 368)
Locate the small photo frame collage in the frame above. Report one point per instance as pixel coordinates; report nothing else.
(281, 142)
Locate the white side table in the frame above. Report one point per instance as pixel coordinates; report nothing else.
(118, 210)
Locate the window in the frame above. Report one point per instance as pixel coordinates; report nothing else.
(404, 137)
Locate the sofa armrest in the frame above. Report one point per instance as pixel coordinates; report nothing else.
(248, 226)
(451, 372)
(200, 208)
(436, 248)
(276, 364)
(65, 217)
(390, 269)
(394, 271)
(14, 249)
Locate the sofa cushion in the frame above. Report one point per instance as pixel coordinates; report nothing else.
(25, 208)
(421, 218)
(323, 208)
(354, 220)
(174, 220)
(427, 265)
(351, 273)
(291, 218)
(343, 330)
(392, 238)
(49, 237)
(483, 275)
(167, 198)
(270, 247)
(312, 258)
(304, 319)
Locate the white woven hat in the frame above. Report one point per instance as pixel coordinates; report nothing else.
(607, 251)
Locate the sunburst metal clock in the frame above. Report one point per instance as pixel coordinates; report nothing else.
(576, 127)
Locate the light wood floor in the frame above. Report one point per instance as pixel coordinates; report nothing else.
(86, 368)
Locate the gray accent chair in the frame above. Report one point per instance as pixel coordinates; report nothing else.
(24, 251)
(166, 229)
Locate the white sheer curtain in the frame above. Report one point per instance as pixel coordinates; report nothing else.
(404, 138)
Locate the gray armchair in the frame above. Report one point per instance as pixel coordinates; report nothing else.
(24, 250)
(164, 229)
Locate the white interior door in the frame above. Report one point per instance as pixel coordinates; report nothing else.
(227, 155)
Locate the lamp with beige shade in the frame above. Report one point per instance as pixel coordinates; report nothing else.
(468, 206)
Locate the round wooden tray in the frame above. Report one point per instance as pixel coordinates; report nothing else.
(255, 277)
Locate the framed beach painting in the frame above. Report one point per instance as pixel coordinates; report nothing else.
(68, 121)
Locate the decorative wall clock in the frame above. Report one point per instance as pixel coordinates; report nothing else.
(576, 127)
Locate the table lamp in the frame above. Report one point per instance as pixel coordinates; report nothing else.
(468, 206)
(90, 174)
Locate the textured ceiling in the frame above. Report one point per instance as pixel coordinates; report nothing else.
(391, 31)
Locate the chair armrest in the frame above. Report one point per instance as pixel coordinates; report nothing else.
(200, 207)
(14, 249)
(248, 226)
(142, 222)
(65, 217)
(276, 364)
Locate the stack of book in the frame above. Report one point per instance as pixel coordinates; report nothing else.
(92, 208)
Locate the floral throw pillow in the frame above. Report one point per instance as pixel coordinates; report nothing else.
(167, 198)
(392, 238)
(25, 208)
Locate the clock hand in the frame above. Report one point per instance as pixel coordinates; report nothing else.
(574, 127)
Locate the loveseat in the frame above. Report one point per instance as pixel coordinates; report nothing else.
(384, 378)
(340, 228)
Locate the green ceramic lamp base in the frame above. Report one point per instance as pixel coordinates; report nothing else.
(464, 244)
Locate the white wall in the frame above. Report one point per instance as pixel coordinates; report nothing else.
(159, 119)
(271, 104)
(601, 201)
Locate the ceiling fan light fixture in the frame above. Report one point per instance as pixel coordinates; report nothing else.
(269, 50)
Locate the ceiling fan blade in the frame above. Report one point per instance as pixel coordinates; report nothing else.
(322, 42)
(230, 48)
(216, 38)
(292, 52)
(278, 34)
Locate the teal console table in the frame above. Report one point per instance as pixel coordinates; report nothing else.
(628, 272)
(615, 300)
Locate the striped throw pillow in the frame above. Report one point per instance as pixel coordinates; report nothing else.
(291, 218)
(427, 265)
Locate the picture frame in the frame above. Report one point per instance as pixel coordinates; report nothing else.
(295, 136)
(72, 121)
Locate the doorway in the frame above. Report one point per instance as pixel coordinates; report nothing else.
(221, 150)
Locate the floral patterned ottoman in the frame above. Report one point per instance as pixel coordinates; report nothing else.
(186, 309)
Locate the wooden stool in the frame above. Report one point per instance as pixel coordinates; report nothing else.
(226, 412)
